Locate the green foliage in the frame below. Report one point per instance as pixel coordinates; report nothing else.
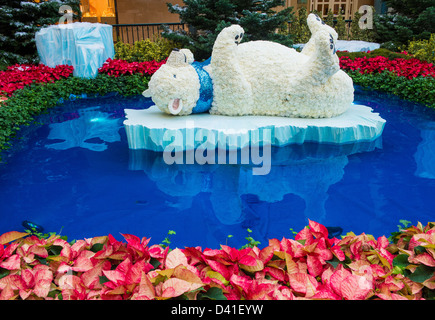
(145, 50)
(207, 18)
(251, 241)
(301, 33)
(419, 89)
(26, 103)
(340, 27)
(330, 18)
(167, 241)
(20, 20)
(423, 49)
(400, 227)
(214, 293)
(414, 248)
(299, 27)
(41, 235)
(410, 19)
(375, 53)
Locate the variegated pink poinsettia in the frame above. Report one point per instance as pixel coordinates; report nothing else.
(310, 266)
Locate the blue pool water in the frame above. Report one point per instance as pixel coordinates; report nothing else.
(72, 172)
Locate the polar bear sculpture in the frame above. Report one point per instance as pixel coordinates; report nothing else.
(259, 78)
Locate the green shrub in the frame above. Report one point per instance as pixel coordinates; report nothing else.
(340, 27)
(423, 49)
(20, 20)
(419, 89)
(299, 27)
(406, 20)
(145, 50)
(378, 52)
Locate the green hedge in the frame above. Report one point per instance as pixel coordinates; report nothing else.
(25, 104)
(377, 52)
(420, 89)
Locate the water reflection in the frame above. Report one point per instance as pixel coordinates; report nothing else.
(306, 170)
(90, 130)
(425, 155)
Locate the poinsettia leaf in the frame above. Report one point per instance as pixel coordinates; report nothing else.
(314, 265)
(355, 287)
(12, 236)
(93, 277)
(248, 261)
(175, 258)
(115, 276)
(426, 259)
(217, 276)
(266, 254)
(181, 272)
(176, 287)
(43, 279)
(317, 229)
(11, 263)
(219, 267)
(241, 282)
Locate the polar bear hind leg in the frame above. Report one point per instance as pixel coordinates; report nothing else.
(232, 91)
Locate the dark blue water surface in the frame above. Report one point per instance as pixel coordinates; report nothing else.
(72, 172)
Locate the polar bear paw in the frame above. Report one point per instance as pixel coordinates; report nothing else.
(316, 24)
(325, 42)
(230, 35)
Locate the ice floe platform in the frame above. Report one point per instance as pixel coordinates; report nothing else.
(151, 129)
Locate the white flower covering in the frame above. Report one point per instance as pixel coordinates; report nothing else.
(266, 78)
(260, 77)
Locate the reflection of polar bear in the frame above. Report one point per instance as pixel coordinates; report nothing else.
(259, 78)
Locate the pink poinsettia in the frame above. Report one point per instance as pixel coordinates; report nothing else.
(310, 266)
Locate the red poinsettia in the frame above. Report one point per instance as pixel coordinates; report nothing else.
(408, 68)
(117, 67)
(18, 76)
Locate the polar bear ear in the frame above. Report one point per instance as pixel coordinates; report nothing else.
(188, 55)
(147, 93)
(178, 58)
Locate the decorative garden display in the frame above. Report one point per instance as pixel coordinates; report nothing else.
(300, 96)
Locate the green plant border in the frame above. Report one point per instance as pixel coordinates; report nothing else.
(419, 89)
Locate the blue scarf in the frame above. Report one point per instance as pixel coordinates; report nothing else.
(205, 89)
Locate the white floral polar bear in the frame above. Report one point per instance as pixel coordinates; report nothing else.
(258, 78)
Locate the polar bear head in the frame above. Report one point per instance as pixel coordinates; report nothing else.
(174, 87)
